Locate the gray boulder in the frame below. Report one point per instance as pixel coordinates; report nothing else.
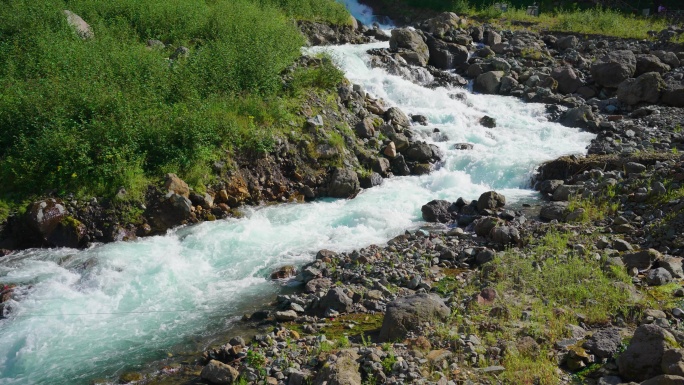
(642, 260)
(79, 25)
(614, 68)
(604, 343)
(404, 38)
(406, 314)
(505, 235)
(566, 43)
(445, 55)
(492, 37)
(490, 200)
(568, 81)
(580, 117)
(650, 63)
(419, 152)
(488, 82)
(642, 359)
(365, 128)
(553, 210)
(342, 371)
(173, 210)
(645, 88)
(337, 300)
(218, 373)
(673, 95)
(658, 277)
(664, 379)
(344, 184)
(436, 211)
(673, 265)
(673, 362)
(669, 58)
(397, 117)
(443, 23)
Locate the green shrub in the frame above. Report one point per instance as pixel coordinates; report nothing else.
(92, 116)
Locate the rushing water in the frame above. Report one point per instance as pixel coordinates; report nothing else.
(93, 313)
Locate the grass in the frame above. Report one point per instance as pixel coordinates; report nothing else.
(89, 117)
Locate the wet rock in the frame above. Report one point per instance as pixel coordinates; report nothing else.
(614, 68)
(580, 117)
(488, 82)
(419, 152)
(445, 55)
(490, 200)
(171, 211)
(408, 313)
(371, 180)
(646, 88)
(397, 117)
(642, 358)
(488, 121)
(284, 272)
(219, 373)
(406, 39)
(437, 211)
(344, 184)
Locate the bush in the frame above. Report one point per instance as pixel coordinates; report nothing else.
(92, 116)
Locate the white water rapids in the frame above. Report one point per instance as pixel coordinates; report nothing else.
(95, 313)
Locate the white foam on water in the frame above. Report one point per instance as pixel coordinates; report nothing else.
(89, 314)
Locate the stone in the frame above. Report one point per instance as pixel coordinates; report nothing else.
(344, 184)
(658, 277)
(404, 38)
(79, 25)
(418, 152)
(492, 37)
(336, 299)
(343, 371)
(441, 24)
(650, 63)
(565, 192)
(568, 81)
(397, 117)
(285, 316)
(284, 272)
(365, 129)
(490, 200)
(646, 88)
(173, 210)
(567, 42)
(673, 362)
(664, 379)
(484, 226)
(219, 373)
(488, 121)
(641, 260)
(177, 185)
(550, 185)
(317, 284)
(437, 211)
(180, 53)
(505, 235)
(579, 117)
(673, 95)
(406, 314)
(614, 68)
(673, 266)
(669, 58)
(488, 82)
(642, 358)
(390, 151)
(553, 211)
(445, 55)
(604, 343)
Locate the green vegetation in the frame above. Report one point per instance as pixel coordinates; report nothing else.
(90, 116)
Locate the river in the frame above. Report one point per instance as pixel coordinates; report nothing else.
(90, 314)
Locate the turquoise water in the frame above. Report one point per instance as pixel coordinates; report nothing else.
(95, 313)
